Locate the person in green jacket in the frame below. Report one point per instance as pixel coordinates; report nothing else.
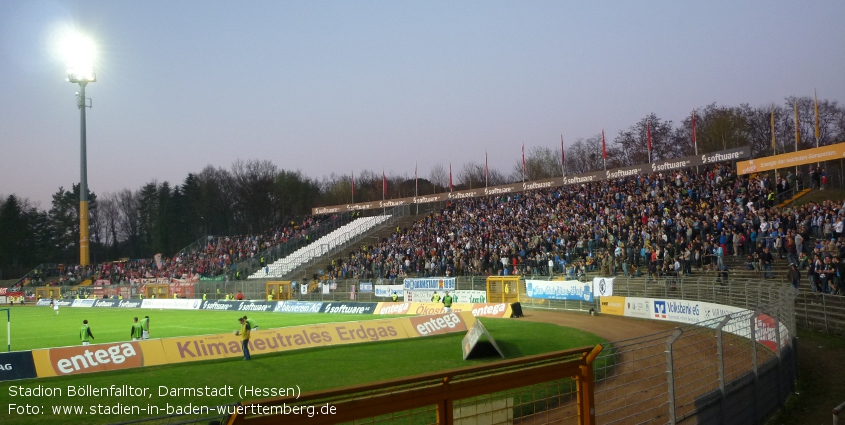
(252, 324)
(435, 298)
(85, 333)
(136, 332)
(145, 327)
(394, 297)
(447, 302)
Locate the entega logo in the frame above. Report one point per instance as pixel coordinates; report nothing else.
(494, 310)
(436, 325)
(398, 308)
(94, 358)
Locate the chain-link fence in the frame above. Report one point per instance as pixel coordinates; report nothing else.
(732, 369)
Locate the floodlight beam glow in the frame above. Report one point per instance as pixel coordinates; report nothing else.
(79, 52)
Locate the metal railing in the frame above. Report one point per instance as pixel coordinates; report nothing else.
(836, 411)
(534, 389)
(821, 312)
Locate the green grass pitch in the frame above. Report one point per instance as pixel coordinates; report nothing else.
(311, 369)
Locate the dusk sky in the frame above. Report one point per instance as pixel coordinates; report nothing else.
(347, 86)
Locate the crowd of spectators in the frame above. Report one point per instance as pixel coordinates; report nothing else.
(216, 257)
(668, 224)
(673, 223)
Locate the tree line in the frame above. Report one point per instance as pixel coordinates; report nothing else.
(254, 196)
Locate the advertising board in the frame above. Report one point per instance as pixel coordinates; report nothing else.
(298, 307)
(386, 291)
(612, 305)
(83, 302)
(439, 284)
(348, 308)
(559, 290)
(112, 303)
(17, 365)
(470, 346)
(171, 303)
(476, 309)
(87, 358)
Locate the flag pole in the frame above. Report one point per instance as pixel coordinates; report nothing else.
(774, 140)
(416, 186)
(797, 131)
(450, 177)
(816, 111)
(816, 108)
(694, 139)
(383, 189)
(562, 158)
(523, 162)
(603, 150)
(486, 169)
(648, 135)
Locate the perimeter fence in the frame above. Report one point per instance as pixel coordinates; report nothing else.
(734, 368)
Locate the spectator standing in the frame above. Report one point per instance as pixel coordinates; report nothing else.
(85, 333)
(136, 332)
(447, 302)
(766, 258)
(253, 325)
(145, 327)
(244, 333)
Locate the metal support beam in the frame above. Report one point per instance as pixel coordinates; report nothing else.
(670, 373)
(753, 338)
(720, 351)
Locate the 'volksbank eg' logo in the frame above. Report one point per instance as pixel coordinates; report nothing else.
(660, 309)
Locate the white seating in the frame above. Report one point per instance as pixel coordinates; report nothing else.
(318, 248)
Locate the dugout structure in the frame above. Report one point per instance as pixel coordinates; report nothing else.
(278, 290)
(507, 289)
(48, 292)
(160, 290)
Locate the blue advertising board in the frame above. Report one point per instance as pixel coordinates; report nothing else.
(559, 290)
(433, 283)
(298, 307)
(17, 365)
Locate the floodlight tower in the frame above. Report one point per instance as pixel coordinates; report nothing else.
(80, 52)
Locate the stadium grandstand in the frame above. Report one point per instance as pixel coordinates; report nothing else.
(694, 220)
